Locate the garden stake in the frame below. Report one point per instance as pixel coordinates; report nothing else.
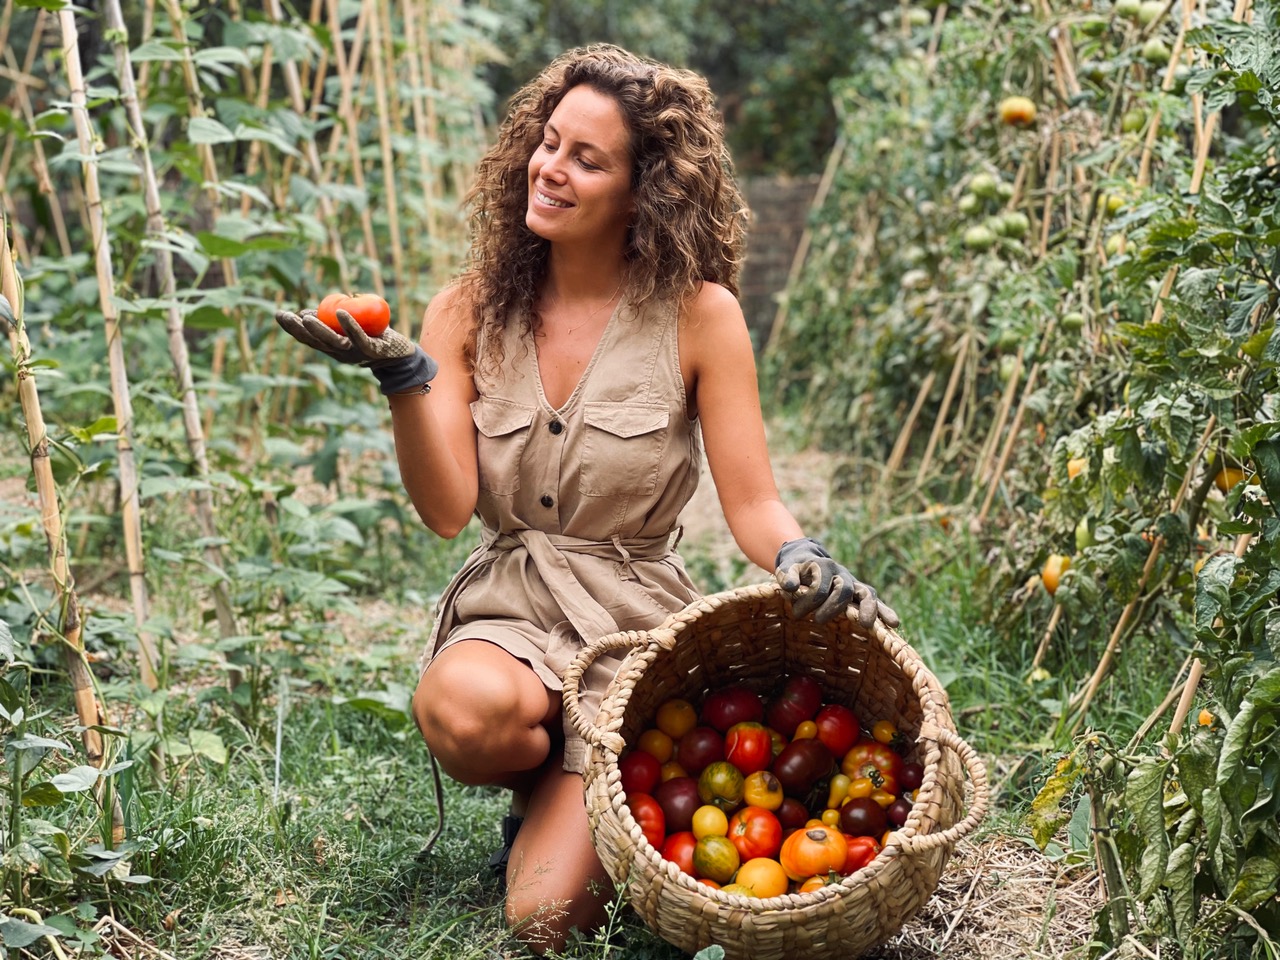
(1104, 665)
(131, 515)
(1048, 633)
(957, 367)
(1055, 151)
(984, 466)
(70, 625)
(203, 495)
(903, 441)
(1188, 695)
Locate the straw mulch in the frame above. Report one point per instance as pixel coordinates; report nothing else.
(1000, 897)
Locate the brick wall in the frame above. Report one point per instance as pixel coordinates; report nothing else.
(779, 208)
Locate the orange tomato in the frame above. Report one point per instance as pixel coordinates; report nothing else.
(676, 717)
(657, 744)
(812, 884)
(1054, 567)
(813, 851)
(763, 876)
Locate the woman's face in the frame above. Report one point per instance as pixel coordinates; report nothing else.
(580, 174)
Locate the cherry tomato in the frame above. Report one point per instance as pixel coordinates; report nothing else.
(748, 747)
(678, 848)
(648, 813)
(899, 811)
(838, 728)
(883, 731)
(911, 776)
(861, 851)
(756, 832)
(640, 772)
(656, 742)
(730, 705)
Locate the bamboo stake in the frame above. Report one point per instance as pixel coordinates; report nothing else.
(1055, 152)
(899, 451)
(70, 625)
(1122, 625)
(984, 467)
(388, 165)
(1048, 634)
(173, 317)
(129, 506)
(962, 350)
(425, 120)
(806, 236)
(1011, 437)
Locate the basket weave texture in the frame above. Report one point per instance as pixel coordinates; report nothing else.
(747, 636)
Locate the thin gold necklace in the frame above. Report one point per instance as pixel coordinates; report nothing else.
(594, 313)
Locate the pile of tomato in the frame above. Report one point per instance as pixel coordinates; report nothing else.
(763, 797)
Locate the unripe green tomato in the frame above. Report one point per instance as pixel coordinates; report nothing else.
(968, 204)
(1155, 51)
(1128, 9)
(1114, 244)
(919, 17)
(979, 238)
(1004, 191)
(1149, 11)
(1008, 363)
(1092, 26)
(1133, 120)
(984, 185)
(883, 145)
(1073, 322)
(1014, 224)
(1084, 535)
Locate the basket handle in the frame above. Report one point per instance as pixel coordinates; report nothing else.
(623, 640)
(977, 810)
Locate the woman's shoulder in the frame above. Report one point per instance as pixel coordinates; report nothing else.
(450, 317)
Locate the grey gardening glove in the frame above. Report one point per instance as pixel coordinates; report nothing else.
(819, 585)
(397, 362)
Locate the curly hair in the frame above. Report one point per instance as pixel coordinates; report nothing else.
(690, 219)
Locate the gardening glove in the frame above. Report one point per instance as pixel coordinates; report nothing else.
(819, 585)
(397, 362)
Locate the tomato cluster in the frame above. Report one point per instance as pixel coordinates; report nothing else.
(765, 797)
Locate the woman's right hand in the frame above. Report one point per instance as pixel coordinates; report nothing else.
(399, 364)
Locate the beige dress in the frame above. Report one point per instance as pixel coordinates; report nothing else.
(579, 505)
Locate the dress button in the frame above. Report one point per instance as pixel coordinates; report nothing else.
(556, 427)
(547, 501)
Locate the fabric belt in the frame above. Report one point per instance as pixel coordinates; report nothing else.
(547, 550)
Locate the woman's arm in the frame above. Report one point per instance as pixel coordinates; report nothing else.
(718, 362)
(434, 433)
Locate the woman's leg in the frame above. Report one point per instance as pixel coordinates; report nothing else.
(555, 881)
(483, 714)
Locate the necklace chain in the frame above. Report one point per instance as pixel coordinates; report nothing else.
(594, 313)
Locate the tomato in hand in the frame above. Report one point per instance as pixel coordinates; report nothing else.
(731, 705)
(800, 699)
(838, 728)
(748, 746)
(756, 832)
(368, 310)
(648, 813)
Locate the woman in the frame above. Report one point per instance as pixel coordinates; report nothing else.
(562, 391)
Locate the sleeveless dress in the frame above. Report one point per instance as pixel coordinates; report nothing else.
(579, 505)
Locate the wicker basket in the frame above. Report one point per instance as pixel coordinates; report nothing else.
(747, 636)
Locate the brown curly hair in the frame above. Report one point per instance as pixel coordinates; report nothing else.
(690, 220)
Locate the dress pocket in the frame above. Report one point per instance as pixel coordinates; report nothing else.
(504, 431)
(623, 446)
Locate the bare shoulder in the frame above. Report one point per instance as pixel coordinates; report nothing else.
(712, 322)
(449, 320)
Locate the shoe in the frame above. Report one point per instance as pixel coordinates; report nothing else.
(498, 861)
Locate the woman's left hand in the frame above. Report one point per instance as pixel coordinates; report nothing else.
(821, 586)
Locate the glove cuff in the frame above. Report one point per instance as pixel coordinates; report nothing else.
(806, 546)
(406, 373)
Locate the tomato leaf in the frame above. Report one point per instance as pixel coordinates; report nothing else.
(1257, 881)
(1144, 797)
(1046, 815)
(1179, 880)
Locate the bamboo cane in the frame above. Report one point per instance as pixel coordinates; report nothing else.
(70, 625)
(1122, 625)
(129, 506)
(984, 467)
(1043, 648)
(379, 67)
(899, 452)
(173, 316)
(1010, 439)
(962, 350)
(424, 119)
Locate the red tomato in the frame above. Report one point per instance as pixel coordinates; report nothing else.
(648, 813)
(678, 798)
(678, 848)
(792, 814)
(640, 771)
(863, 817)
(327, 311)
(369, 310)
(911, 776)
(862, 850)
(838, 728)
(800, 765)
(748, 747)
(800, 699)
(729, 705)
(875, 760)
(756, 832)
(699, 747)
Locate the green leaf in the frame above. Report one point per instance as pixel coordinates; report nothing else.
(203, 742)
(1179, 880)
(42, 795)
(77, 779)
(17, 933)
(1256, 883)
(208, 130)
(713, 952)
(1144, 798)
(6, 643)
(156, 50)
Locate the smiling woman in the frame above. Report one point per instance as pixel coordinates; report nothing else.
(593, 346)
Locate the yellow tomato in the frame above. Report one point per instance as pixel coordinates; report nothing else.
(1228, 477)
(762, 789)
(657, 744)
(763, 876)
(1076, 466)
(838, 790)
(671, 770)
(676, 717)
(710, 821)
(883, 731)
(807, 730)
(830, 818)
